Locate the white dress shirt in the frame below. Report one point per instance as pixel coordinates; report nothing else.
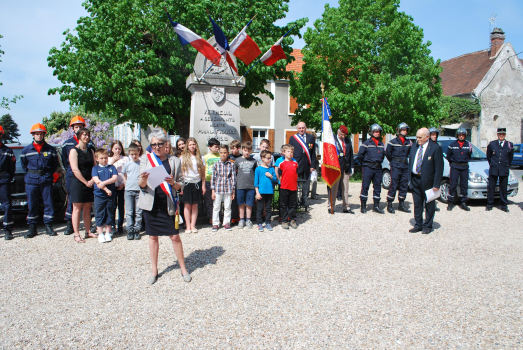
(421, 149)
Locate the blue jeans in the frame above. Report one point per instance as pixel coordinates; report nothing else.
(104, 211)
(133, 213)
(119, 202)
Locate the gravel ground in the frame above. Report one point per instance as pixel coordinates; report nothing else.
(339, 281)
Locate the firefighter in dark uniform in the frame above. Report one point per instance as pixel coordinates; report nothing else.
(459, 153)
(397, 153)
(371, 155)
(39, 161)
(76, 123)
(7, 172)
(499, 156)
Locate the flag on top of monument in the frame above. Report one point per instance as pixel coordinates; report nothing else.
(330, 168)
(243, 47)
(222, 43)
(274, 54)
(187, 36)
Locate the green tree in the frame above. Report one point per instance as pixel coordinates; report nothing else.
(6, 101)
(127, 62)
(59, 121)
(375, 67)
(458, 110)
(11, 132)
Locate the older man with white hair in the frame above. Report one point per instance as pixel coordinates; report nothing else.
(305, 155)
(425, 172)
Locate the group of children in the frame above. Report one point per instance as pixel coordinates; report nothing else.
(111, 185)
(238, 179)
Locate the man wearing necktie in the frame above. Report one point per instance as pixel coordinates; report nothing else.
(305, 155)
(499, 156)
(345, 157)
(425, 172)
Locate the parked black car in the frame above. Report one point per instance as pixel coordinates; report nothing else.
(19, 197)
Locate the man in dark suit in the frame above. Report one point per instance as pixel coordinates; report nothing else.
(345, 157)
(305, 155)
(499, 155)
(425, 172)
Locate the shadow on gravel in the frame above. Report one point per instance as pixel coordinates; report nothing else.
(197, 259)
(435, 225)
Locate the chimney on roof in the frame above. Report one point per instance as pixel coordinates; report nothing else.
(497, 39)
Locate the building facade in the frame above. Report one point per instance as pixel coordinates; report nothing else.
(495, 77)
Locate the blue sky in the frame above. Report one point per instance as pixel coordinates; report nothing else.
(31, 28)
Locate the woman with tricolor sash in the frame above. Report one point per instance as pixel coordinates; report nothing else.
(160, 205)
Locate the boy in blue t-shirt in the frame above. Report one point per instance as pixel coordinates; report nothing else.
(264, 180)
(104, 177)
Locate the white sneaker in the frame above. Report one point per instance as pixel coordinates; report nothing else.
(108, 237)
(101, 238)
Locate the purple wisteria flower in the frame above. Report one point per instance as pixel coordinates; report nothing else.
(101, 134)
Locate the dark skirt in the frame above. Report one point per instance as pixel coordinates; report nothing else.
(192, 193)
(159, 223)
(79, 192)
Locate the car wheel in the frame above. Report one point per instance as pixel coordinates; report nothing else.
(445, 188)
(386, 179)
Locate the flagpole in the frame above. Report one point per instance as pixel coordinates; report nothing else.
(252, 19)
(201, 78)
(237, 81)
(183, 47)
(322, 121)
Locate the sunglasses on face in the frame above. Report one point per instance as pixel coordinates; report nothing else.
(160, 144)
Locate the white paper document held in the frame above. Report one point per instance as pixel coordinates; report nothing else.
(157, 175)
(431, 194)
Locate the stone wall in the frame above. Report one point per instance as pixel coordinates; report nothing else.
(501, 96)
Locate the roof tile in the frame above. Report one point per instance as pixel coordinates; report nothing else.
(462, 74)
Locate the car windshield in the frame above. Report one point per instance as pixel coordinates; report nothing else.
(17, 152)
(477, 154)
(517, 148)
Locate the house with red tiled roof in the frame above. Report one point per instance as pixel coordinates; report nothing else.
(495, 77)
(272, 119)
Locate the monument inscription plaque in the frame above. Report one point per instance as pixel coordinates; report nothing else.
(215, 102)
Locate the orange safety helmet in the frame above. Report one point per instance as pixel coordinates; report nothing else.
(77, 120)
(38, 127)
(1, 130)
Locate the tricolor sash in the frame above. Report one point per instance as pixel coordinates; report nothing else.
(304, 146)
(155, 161)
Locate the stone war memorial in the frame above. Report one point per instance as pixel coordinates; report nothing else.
(215, 101)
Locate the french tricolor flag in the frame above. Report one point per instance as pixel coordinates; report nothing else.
(243, 47)
(222, 43)
(187, 36)
(274, 54)
(330, 168)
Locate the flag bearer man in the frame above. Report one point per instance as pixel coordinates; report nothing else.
(371, 155)
(7, 172)
(459, 154)
(397, 153)
(39, 161)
